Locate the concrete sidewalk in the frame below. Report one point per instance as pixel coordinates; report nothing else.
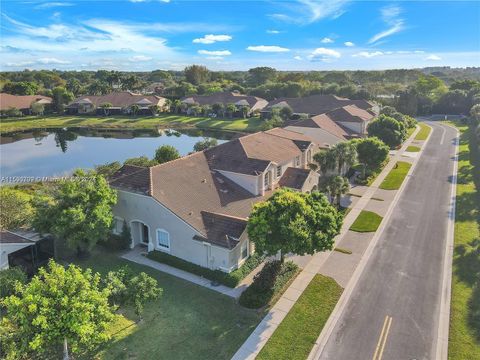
(259, 337)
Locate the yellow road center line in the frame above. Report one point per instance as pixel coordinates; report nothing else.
(380, 339)
(385, 338)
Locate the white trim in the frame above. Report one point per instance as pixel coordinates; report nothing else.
(157, 245)
(149, 232)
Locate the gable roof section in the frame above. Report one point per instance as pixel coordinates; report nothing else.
(118, 99)
(223, 230)
(324, 122)
(294, 178)
(7, 237)
(226, 97)
(21, 101)
(350, 113)
(132, 178)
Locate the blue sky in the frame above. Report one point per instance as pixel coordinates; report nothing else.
(237, 35)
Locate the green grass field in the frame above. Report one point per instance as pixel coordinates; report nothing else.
(296, 335)
(424, 131)
(413, 148)
(128, 122)
(367, 221)
(464, 337)
(396, 176)
(186, 322)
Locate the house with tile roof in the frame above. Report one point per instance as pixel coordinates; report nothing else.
(196, 207)
(120, 103)
(254, 103)
(22, 102)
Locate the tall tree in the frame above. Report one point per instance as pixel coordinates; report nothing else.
(260, 75)
(204, 144)
(387, 129)
(372, 152)
(166, 153)
(345, 154)
(78, 212)
(15, 208)
(336, 186)
(106, 108)
(61, 97)
(196, 74)
(20, 88)
(58, 306)
(294, 222)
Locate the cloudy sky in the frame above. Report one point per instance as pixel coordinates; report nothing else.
(238, 35)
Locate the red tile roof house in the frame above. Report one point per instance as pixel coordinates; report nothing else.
(121, 103)
(196, 207)
(22, 102)
(254, 103)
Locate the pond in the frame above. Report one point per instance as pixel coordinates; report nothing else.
(56, 152)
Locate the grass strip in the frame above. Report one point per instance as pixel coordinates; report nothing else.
(367, 221)
(297, 333)
(413, 148)
(395, 177)
(464, 335)
(423, 133)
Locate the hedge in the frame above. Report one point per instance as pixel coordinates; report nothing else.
(231, 279)
(268, 284)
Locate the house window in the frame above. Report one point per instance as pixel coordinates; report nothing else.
(244, 249)
(279, 171)
(297, 161)
(266, 180)
(118, 225)
(163, 240)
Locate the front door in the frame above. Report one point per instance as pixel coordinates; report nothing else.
(145, 234)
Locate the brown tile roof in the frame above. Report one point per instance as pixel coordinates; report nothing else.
(7, 237)
(119, 99)
(317, 104)
(222, 229)
(21, 101)
(294, 178)
(132, 178)
(350, 113)
(324, 122)
(227, 98)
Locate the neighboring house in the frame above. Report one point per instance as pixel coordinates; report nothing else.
(317, 104)
(196, 207)
(22, 102)
(121, 103)
(25, 249)
(225, 98)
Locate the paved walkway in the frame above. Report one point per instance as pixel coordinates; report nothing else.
(337, 265)
(137, 255)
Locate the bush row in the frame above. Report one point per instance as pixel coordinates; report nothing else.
(268, 284)
(231, 279)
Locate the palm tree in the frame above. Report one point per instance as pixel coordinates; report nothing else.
(167, 105)
(337, 186)
(218, 108)
(231, 109)
(154, 109)
(326, 160)
(106, 108)
(245, 109)
(206, 110)
(134, 109)
(346, 155)
(176, 105)
(196, 110)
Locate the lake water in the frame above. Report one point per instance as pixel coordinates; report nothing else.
(57, 152)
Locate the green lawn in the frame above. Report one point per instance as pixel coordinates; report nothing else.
(186, 322)
(296, 335)
(395, 177)
(124, 122)
(424, 131)
(367, 221)
(413, 148)
(410, 131)
(464, 337)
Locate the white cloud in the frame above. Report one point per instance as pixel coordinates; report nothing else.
(268, 48)
(324, 54)
(297, 57)
(326, 40)
(51, 61)
(210, 39)
(366, 54)
(390, 17)
(48, 5)
(215, 52)
(348, 43)
(310, 11)
(140, 58)
(433, 57)
(273, 32)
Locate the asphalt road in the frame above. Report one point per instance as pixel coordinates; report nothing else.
(393, 313)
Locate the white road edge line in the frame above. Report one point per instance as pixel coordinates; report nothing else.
(446, 291)
(319, 346)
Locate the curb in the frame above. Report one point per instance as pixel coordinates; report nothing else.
(347, 293)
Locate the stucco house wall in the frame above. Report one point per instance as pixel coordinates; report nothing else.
(133, 207)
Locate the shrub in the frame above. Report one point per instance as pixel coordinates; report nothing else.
(231, 279)
(268, 284)
(8, 280)
(120, 241)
